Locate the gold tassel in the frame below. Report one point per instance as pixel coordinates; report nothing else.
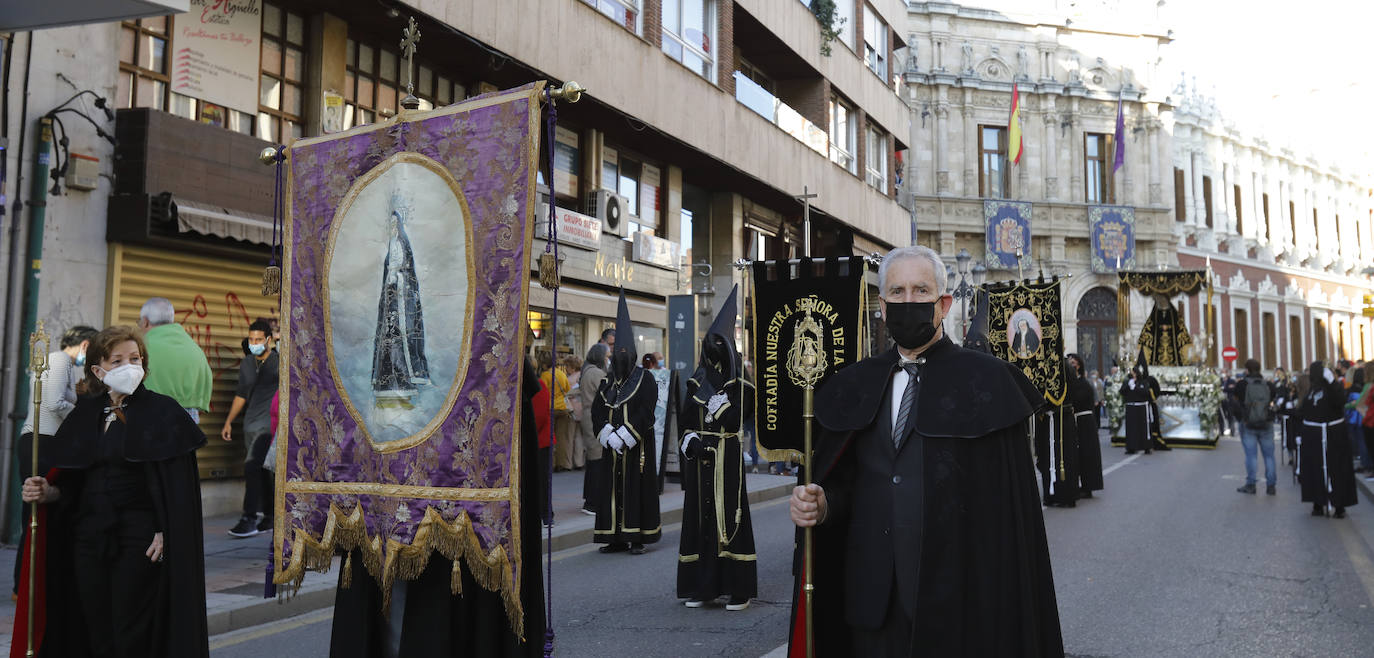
(271, 281)
(548, 271)
(347, 579)
(456, 585)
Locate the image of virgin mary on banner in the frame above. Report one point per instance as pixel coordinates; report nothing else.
(1025, 328)
(812, 310)
(1112, 232)
(406, 267)
(1009, 231)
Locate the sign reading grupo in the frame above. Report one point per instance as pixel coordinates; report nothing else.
(805, 318)
(215, 53)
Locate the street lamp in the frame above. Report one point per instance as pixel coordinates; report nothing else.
(968, 282)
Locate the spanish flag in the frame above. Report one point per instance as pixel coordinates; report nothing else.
(1014, 127)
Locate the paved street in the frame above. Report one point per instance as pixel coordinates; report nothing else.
(1169, 561)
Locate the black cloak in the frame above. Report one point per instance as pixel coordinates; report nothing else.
(1327, 475)
(1056, 455)
(160, 435)
(716, 555)
(976, 338)
(437, 623)
(985, 584)
(1084, 404)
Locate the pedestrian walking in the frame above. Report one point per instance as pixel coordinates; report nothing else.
(183, 373)
(556, 383)
(253, 398)
(593, 374)
(126, 554)
(1324, 462)
(1257, 427)
(1083, 398)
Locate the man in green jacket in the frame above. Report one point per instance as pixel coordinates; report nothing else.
(177, 366)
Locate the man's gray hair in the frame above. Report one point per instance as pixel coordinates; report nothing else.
(158, 311)
(914, 251)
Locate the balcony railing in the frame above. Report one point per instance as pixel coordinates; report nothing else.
(766, 105)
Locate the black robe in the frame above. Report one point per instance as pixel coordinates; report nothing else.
(1328, 476)
(711, 565)
(437, 623)
(627, 505)
(985, 585)
(1083, 401)
(1156, 436)
(159, 439)
(1056, 455)
(1139, 409)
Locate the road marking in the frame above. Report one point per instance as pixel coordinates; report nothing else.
(1359, 558)
(1119, 464)
(271, 628)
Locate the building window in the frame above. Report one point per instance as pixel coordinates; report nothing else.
(435, 90)
(280, 86)
(567, 163)
(1271, 348)
(1180, 198)
(1268, 225)
(1097, 178)
(758, 76)
(1240, 330)
(1207, 199)
(843, 134)
(1316, 228)
(1295, 360)
(875, 42)
(640, 184)
(875, 164)
(1338, 230)
(1320, 338)
(992, 162)
(688, 34)
(844, 15)
(1240, 216)
(143, 63)
(370, 84)
(624, 12)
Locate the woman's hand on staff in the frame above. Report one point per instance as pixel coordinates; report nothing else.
(808, 505)
(37, 490)
(154, 551)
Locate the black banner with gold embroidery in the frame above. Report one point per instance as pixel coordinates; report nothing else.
(806, 318)
(1025, 328)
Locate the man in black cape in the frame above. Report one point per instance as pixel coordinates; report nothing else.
(426, 618)
(1084, 404)
(623, 417)
(1325, 458)
(1138, 397)
(716, 556)
(931, 542)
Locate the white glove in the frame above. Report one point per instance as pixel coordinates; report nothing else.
(626, 438)
(603, 435)
(1330, 376)
(613, 442)
(687, 442)
(1299, 439)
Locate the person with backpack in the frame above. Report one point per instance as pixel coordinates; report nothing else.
(1256, 426)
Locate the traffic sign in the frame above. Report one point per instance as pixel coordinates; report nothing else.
(1230, 353)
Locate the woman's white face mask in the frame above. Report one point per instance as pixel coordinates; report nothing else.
(124, 379)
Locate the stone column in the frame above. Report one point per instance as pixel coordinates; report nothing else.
(970, 146)
(1051, 156)
(942, 142)
(1157, 161)
(1075, 144)
(1199, 202)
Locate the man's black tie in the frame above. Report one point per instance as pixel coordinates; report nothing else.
(908, 401)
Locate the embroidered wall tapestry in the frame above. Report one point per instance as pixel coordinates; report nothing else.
(406, 277)
(1008, 230)
(1112, 230)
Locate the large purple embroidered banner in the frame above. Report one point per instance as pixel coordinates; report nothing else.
(406, 272)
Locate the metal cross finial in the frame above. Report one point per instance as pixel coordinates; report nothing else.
(410, 39)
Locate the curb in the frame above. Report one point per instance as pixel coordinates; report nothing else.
(320, 595)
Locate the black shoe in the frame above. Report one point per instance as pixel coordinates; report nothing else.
(1340, 513)
(1086, 493)
(614, 548)
(266, 524)
(739, 603)
(1317, 510)
(1270, 490)
(636, 549)
(1249, 488)
(246, 527)
(1148, 452)
(1130, 452)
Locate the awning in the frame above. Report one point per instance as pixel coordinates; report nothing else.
(17, 15)
(223, 222)
(581, 300)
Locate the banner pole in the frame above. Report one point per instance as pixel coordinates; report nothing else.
(808, 585)
(38, 361)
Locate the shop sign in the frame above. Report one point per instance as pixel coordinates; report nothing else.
(651, 249)
(574, 228)
(216, 53)
(618, 272)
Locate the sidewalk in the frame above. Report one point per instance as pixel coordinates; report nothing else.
(235, 568)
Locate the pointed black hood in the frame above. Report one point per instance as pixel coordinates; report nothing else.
(1141, 364)
(977, 336)
(1073, 373)
(720, 361)
(625, 369)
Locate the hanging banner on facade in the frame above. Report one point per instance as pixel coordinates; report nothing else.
(810, 320)
(407, 251)
(1008, 231)
(1112, 231)
(1025, 328)
(217, 52)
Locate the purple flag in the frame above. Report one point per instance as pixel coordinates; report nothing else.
(1119, 137)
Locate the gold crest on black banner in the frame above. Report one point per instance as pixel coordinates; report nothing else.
(1025, 328)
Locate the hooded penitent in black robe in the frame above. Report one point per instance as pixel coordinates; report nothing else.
(964, 549)
(716, 555)
(1083, 402)
(1056, 455)
(627, 504)
(120, 486)
(1325, 463)
(1135, 394)
(431, 620)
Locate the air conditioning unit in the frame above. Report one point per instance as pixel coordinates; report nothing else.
(612, 209)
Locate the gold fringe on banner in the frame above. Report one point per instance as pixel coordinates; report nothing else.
(455, 540)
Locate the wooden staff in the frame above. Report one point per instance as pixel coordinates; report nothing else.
(38, 363)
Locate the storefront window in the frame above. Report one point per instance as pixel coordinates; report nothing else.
(570, 338)
(648, 340)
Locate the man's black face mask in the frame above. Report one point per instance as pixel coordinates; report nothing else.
(911, 324)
